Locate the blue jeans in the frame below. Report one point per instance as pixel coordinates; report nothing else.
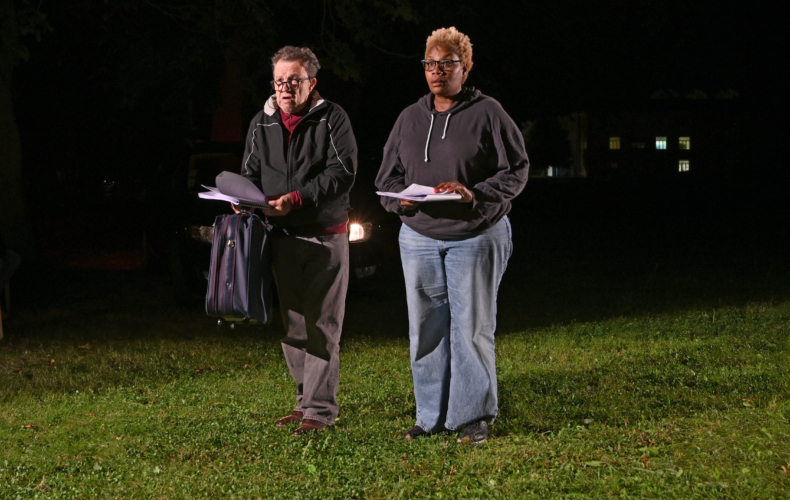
(451, 289)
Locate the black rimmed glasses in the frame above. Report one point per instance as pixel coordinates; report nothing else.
(288, 84)
(444, 65)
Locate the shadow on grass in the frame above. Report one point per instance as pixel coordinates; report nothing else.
(584, 251)
(592, 251)
(642, 386)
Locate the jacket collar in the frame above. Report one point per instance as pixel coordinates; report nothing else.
(271, 105)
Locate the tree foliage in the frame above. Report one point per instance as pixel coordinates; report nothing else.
(17, 23)
(155, 41)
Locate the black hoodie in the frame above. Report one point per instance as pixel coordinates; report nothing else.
(474, 142)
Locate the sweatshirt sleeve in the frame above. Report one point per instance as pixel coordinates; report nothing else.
(341, 164)
(512, 166)
(392, 176)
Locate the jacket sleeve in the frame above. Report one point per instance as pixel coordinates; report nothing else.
(392, 176)
(251, 161)
(512, 167)
(341, 162)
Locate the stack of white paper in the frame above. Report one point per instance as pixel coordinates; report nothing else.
(236, 189)
(417, 192)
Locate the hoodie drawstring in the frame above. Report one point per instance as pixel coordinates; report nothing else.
(429, 138)
(430, 129)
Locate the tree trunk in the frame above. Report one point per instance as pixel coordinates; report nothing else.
(226, 125)
(13, 218)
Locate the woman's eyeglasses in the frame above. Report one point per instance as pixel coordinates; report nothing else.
(444, 65)
(289, 84)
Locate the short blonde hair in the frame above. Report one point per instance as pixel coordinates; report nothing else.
(456, 41)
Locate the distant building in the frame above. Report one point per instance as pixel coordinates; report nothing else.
(664, 138)
(661, 138)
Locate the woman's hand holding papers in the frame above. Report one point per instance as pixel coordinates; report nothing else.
(455, 187)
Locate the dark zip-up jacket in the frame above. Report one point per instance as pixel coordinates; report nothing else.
(476, 143)
(320, 163)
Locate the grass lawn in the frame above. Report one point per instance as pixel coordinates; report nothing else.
(629, 366)
(164, 403)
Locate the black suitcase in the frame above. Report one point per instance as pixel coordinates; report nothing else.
(240, 276)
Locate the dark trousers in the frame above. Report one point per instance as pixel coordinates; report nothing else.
(312, 279)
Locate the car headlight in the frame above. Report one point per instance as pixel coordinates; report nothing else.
(202, 233)
(365, 271)
(359, 232)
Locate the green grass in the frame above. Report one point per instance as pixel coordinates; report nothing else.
(164, 404)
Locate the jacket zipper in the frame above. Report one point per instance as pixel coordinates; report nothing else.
(290, 169)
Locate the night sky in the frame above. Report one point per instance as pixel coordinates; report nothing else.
(116, 87)
(113, 79)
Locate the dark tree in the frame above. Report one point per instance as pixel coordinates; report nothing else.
(14, 24)
(547, 144)
(206, 60)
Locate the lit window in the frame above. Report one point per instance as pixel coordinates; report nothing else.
(661, 143)
(614, 143)
(638, 145)
(683, 166)
(684, 143)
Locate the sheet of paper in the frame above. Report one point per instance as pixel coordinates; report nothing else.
(418, 192)
(239, 187)
(236, 189)
(214, 194)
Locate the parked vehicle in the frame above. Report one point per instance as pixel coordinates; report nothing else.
(194, 218)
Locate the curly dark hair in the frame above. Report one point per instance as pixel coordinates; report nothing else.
(303, 54)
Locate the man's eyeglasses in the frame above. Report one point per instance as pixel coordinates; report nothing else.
(289, 84)
(443, 65)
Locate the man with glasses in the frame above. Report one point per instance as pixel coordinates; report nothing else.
(300, 150)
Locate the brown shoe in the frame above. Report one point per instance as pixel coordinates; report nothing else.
(295, 416)
(309, 426)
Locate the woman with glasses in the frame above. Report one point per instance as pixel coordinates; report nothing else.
(456, 140)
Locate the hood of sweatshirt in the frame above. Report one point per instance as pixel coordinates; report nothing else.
(468, 96)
